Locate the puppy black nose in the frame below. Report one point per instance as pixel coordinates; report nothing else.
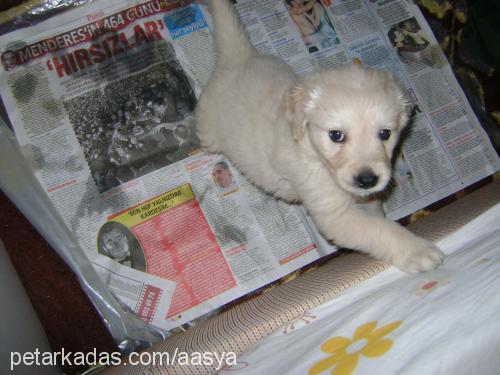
(366, 179)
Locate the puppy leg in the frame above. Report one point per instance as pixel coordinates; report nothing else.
(372, 207)
(342, 221)
(379, 237)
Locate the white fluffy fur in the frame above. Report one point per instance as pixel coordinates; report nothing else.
(275, 127)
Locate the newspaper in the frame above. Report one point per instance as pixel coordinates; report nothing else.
(101, 100)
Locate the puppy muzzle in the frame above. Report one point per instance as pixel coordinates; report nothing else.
(366, 179)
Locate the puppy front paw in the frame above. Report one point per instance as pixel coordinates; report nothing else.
(421, 255)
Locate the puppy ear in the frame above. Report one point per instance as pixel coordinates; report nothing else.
(298, 100)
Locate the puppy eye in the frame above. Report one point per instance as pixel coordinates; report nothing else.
(384, 134)
(337, 135)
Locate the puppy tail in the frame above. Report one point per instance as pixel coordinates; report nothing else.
(231, 40)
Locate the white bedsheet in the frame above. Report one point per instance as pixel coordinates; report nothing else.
(445, 321)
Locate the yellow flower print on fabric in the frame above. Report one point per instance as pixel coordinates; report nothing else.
(344, 353)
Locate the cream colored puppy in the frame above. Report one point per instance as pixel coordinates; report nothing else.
(325, 140)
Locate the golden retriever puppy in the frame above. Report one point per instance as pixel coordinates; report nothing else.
(325, 139)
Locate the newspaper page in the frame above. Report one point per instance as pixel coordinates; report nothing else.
(101, 100)
(102, 107)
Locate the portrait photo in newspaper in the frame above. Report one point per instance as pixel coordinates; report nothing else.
(224, 178)
(135, 125)
(313, 22)
(117, 242)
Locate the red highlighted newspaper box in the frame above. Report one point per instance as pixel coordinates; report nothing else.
(179, 245)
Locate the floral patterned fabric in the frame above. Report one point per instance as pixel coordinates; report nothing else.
(368, 341)
(439, 322)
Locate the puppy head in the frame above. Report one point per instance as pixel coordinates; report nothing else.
(351, 118)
